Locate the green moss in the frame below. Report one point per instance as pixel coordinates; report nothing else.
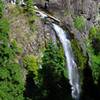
(98, 29)
(61, 53)
(79, 57)
(4, 26)
(95, 62)
(16, 47)
(13, 10)
(79, 23)
(32, 20)
(92, 32)
(1, 8)
(11, 77)
(95, 67)
(93, 48)
(31, 14)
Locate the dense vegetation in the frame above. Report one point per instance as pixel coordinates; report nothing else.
(25, 76)
(94, 42)
(52, 72)
(11, 82)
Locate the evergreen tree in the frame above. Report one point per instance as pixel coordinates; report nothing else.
(54, 80)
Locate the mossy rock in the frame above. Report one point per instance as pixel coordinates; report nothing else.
(79, 57)
(79, 23)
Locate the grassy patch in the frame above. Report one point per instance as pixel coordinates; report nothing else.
(79, 23)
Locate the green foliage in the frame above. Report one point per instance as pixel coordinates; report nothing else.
(11, 84)
(52, 72)
(96, 67)
(53, 59)
(30, 62)
(6, 53)
(92, 32)
(95, 59)
(17, 48)
(98, 29)
(79, 23)
(30, 6)
(17, 2)
(94, 51)
(1, 8)
(96, 45)
(31, 14)
(79, 57)
(11, 79)
(4, 27)
(53, 62)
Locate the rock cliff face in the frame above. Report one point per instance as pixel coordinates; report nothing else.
(77, 16)
(89, 9)
(32, 41)
(66, 11)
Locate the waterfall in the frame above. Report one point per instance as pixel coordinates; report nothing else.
(21, 2)
(71, 65)
(13, 1)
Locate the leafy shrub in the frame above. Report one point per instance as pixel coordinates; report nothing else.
(1, 8)
(79, 23)
(52, 73)
(94, 50)
(30, 62)
(11, 78)
(31, 14)
(11, 84)
(4, 27)
(17, 48)
(96, 67)
(92, 32)
(53, 62)
(79, 57)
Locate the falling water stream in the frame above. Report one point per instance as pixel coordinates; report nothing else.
(21, 2)
(71, 65)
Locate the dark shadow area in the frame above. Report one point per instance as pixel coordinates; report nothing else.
(32, 91)
(30, 87)
(90, 91)
(58, 90)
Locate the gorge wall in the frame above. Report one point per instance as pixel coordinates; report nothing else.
(80, 18)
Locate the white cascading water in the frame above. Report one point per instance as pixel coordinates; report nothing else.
(21, 2)
(13, 1)
(71, 65)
